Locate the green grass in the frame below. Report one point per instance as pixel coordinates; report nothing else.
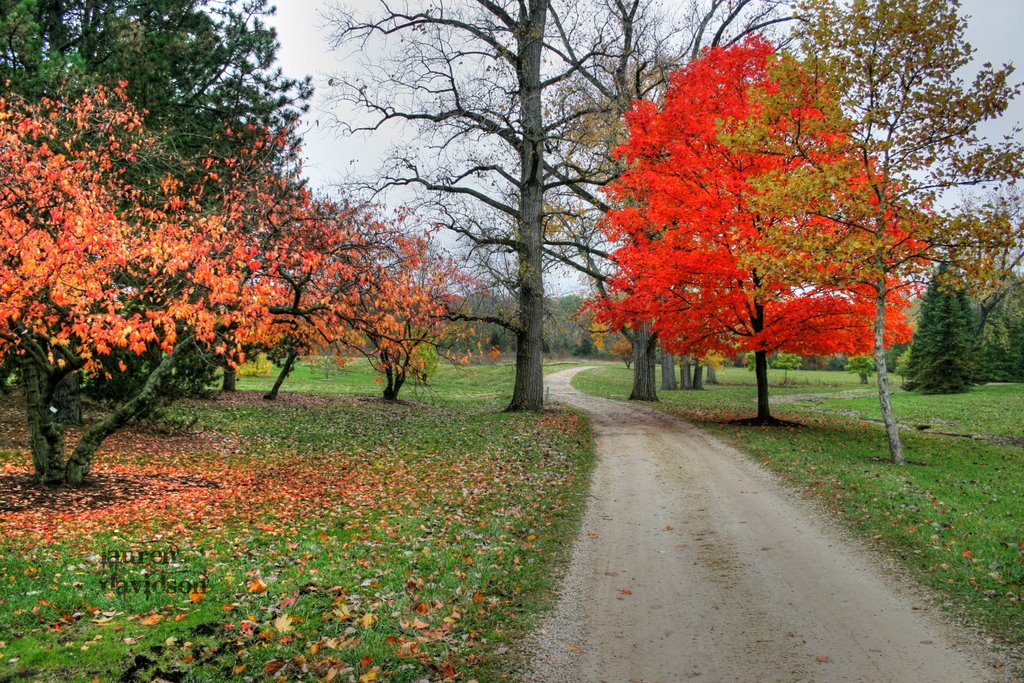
(954, 516)
(452, 384)
(336, 536)
(995, 409)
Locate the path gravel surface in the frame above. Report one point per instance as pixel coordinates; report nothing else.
(695, 563)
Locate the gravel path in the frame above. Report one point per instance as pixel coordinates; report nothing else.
(694, 563)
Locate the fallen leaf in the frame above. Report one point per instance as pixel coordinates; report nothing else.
(283, 623)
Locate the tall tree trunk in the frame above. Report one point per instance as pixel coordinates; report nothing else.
(46, 437)
(80, 462)
(761, 374)
(712, 376)
(67, 399)
(892, 429)
(668, 371)
(528, 390)
(289, 363)
(760, 362)
(230, 379)
(698, 375)
(645, 345)
(685, 374)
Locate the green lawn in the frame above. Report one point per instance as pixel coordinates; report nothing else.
(452, 384)
(954, 516)
(329, 536)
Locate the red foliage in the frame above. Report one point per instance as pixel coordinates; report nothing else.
(699, 258)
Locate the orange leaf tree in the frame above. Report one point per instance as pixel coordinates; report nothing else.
(712, 271)
(318, 257)
(404, 315)
(90, 263)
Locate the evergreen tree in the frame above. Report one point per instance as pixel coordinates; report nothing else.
(1002, 342)
(943, 356)
(198, 67)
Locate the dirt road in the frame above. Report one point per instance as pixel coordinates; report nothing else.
(694, 563)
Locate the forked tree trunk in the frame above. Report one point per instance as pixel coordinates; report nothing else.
(698, 375)
(668, 371)
(289, 363)
(892, 430)
(47, 437)
(644, 363)
(395, 380)
(80, 463)
(686, 373)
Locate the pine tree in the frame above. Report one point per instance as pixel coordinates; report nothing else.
(943, 357)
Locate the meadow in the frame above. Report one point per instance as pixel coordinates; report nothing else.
(325, 536)
(954, 516)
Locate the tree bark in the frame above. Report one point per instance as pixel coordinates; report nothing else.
(46, 437)
(698, 375)
(686, 374)
(668, 371)
(644, 362)
(230, 379)
(761, 374)
(67, 399)
(892, 430)
(712, 378)
(289, 363)
(528, 390)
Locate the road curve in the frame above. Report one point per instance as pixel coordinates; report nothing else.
(694, 563)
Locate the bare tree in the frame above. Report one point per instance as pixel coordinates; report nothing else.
(469, 76)
(509, 110)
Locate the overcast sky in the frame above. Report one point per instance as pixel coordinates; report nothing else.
(994, 30)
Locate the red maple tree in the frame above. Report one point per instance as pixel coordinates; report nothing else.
(698, 257)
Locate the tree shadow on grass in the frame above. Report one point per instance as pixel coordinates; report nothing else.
(763, 422)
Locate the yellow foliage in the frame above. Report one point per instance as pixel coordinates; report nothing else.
(714, 359)
(256, 368)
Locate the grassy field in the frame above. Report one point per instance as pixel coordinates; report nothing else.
(327, 536)
(451, 385)
(954, 516)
